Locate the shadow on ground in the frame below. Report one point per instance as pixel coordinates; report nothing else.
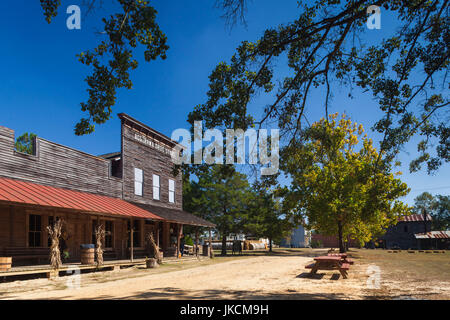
(176, 293)
(278, 252)
(318, 276)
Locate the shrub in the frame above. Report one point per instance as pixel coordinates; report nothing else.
(316, 244)
(188, 240)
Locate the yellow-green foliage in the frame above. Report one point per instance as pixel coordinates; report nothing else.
(339, 179)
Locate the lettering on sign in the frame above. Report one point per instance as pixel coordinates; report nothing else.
(142, 139)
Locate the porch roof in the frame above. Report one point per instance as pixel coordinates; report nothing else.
(176, 215)
(415, 218)
(22, 192)
(433, 235)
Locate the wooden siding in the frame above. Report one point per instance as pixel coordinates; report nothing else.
(58, 166)
(151, 161)
(77, 226)
(402, 234)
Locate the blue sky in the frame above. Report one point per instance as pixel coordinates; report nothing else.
(43, 83)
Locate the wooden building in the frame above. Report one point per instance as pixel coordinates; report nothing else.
(132, 189)
(414, 232)
(402, 235)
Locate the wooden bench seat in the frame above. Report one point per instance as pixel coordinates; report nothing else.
(337, 255)
(170, 252)
(138, 253)
(110, 255)
(30, 254)
(18, 251)
(345, 266)
(344, 257)
(342, 267)
(348, 260)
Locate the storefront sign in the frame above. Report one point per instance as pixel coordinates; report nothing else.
(142, 139)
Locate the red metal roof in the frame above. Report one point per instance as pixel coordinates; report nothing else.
(433, 235)
(415, 218)
(22, 192)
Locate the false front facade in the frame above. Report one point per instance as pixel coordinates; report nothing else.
(132, 193)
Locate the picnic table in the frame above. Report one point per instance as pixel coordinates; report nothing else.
(343, 256)
(329, 263)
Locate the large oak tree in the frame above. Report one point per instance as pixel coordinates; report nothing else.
(327, 48)
(337, 183)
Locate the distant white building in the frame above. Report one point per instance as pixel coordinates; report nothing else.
(238, 236)
(299, 238)
(217, 241)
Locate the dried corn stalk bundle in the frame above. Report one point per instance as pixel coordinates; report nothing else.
(99, 237)
(151, 241)
(55, 254)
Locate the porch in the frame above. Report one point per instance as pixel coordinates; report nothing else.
(28, 209)
(29, 242)
(70, 268)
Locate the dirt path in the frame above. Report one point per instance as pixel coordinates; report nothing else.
(269, 277)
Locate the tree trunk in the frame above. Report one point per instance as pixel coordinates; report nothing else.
(211, 253)
(341, 238)
(270, 244)
(224, 245)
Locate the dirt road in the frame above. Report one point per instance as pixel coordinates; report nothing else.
(269, 277)
(279, 276)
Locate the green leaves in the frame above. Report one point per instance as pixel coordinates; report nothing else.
(223, 195)
(135, 25)
(406, 73)
(50, 8)
(337, 186)
(112, 60)
(25, 143)
(437, 206)
(266, 217)
(220, 195)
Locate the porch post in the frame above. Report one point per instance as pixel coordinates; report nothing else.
(210, 244)
(11, 226)
(131, 240)
(157, 233)
(180, 229)
(196, 241)
(98, 224)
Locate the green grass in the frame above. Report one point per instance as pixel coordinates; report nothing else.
(304, 252)
(418, 266)
(402, 267)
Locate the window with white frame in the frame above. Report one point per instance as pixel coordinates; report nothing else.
(138, 181)
(171, 191)
(155, 187)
